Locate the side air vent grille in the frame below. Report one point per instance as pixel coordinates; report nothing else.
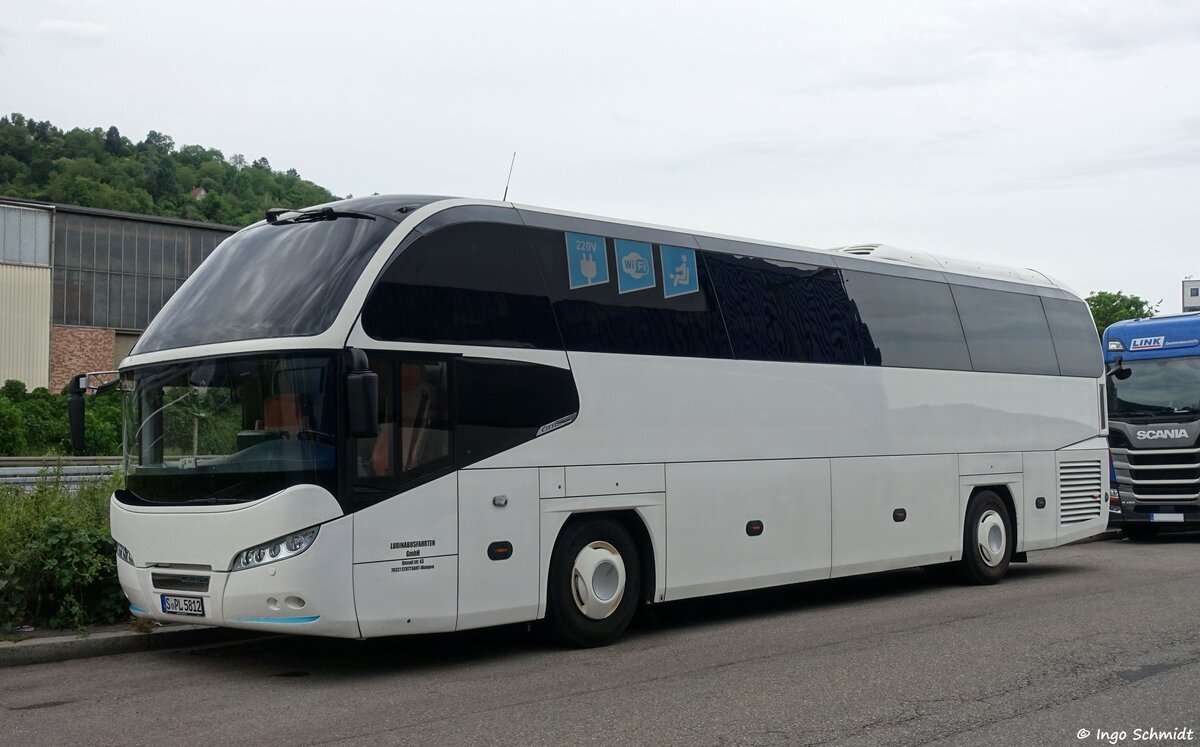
(1079, 491)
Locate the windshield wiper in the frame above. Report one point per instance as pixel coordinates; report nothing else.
(274, 215)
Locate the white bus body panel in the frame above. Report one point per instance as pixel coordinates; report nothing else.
(710, 504)
(417, 595)
(1040, 527)
(866, 494)
(406, 561)
(498, 505)
(421, 522)
(657, 410)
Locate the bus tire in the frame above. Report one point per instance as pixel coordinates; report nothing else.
(1140, 532)
(594, 584)
(988, 540)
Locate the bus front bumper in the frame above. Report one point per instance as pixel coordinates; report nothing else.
(311, 593)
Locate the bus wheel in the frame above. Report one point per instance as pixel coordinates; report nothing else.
(1140, 532)
(987, 540)
(595, 583)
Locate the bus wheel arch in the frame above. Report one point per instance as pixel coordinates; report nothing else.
(599, 549)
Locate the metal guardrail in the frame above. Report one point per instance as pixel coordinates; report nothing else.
(51, 462)
(71, 471)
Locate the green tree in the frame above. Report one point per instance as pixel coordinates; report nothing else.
(1109, 307)
(14, 391)
(100, 168)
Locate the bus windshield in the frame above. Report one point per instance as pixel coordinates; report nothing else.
(228, 430)
(283, 280)
(1166, 387)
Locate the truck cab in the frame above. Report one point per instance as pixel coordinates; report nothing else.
(1154, 423)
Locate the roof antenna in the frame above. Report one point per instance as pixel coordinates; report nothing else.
(509, 179)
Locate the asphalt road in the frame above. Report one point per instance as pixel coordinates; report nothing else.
(1103, 636)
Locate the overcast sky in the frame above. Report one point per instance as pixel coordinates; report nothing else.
(1063, 136)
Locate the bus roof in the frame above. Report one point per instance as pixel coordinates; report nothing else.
(397, 206)
(1174, 336)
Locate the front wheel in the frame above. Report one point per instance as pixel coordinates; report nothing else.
(988, 540)
(594, 585)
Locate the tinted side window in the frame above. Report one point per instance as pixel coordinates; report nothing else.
(784, 311)
(907, 322)
(1006, 332)
(414, 426)
(502, 404)
(1075, 339)
(658, 301)
(474, 283)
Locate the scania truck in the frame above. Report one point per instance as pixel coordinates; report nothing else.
(1154, 424)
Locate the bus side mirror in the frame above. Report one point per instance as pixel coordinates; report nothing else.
(362, 397)
(75, 389)
(1118, 370)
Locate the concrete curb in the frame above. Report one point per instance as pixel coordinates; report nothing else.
(64, 648)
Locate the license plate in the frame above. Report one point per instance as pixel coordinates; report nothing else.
(1167, 517)
(183, 605)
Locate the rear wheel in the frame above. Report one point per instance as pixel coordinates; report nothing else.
(988, 540)
(1140, 532)
(594, 585)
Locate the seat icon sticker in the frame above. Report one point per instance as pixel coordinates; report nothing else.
(679, 271)
(635, 266)
(587, 260)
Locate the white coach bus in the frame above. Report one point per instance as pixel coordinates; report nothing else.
(399, 414)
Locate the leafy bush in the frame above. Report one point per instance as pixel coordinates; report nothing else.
(46, 430)
(57, 556)
(102, 424)
(36, 424)
(12, 429)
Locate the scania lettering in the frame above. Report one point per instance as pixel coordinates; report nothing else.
(1178, 433)
(564, 436)
(1154, 428)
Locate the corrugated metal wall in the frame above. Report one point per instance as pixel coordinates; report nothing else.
(25, 324)
(117, 273)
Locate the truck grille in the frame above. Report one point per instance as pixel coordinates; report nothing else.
(1159, 474)
(1079, 491)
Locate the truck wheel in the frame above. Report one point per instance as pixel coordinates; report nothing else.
(1140, 532)
(594, 585)
(988, 540)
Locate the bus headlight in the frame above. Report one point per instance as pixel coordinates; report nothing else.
(281, 548)
(124, 554)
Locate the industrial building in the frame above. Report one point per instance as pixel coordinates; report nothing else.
(1191, 295)
(79, 285)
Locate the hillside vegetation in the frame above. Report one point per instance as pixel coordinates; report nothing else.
(104, 169)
